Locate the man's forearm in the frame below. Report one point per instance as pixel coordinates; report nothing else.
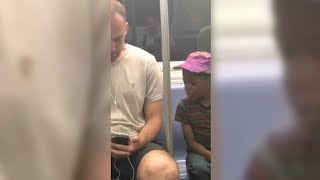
(150, 131)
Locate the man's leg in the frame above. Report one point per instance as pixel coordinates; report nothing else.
(114, 172)
(154, 163)
(198, 167)
(121, 169)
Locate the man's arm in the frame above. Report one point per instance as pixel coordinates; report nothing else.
(196, 147)
(153, 116)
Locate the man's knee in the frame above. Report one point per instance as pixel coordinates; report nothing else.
(158, 164)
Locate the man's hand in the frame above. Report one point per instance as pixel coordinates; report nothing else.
(136, 142)
(119, 151)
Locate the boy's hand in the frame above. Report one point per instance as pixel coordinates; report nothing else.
(195, 146)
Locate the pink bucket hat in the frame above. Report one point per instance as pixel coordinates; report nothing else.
(197, 62)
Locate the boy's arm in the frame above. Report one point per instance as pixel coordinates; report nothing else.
(194, 145)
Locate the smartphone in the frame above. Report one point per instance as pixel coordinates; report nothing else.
(121, 139)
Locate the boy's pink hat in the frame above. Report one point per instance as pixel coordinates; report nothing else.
(197, 62)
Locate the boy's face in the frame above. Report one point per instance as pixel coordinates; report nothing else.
(299, 37)
(197, 88)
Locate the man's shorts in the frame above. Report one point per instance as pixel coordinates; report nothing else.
(123, 165)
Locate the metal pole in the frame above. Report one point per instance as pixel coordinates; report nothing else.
(166, 74)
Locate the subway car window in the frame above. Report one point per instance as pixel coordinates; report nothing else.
(144, 25)
(189, 23)
(190, 26)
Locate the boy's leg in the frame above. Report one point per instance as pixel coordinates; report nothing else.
(198, 167)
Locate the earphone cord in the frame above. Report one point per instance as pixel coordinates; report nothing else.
(131, 143)
(116, 89)
(114, 164)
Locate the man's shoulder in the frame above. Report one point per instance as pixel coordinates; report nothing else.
(138, 53)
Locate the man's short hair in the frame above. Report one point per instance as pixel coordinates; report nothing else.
(118, 8)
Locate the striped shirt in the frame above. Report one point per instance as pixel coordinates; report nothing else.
(199, 117)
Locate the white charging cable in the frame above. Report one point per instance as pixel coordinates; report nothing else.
(131, 143)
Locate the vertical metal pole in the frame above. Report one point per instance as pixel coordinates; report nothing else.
(166, 74)
(215, 138)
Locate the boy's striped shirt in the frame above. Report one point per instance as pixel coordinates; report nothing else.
(199, 117)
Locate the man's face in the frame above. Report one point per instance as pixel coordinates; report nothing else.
(300, 42)
(119, 28)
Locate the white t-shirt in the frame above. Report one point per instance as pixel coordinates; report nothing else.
(136, 78)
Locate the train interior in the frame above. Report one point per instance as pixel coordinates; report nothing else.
(249, 94)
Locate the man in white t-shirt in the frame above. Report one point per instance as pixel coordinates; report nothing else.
(136, 110)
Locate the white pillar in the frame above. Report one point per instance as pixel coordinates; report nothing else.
(54, 65)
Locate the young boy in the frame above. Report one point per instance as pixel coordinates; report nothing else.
(194, 114)
(295, 154)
